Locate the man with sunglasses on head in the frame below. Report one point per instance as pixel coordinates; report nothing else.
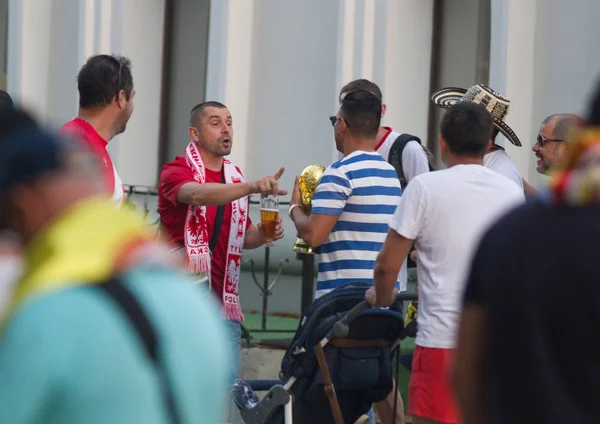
(106, 92)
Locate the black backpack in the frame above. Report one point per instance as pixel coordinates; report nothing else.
(395, 156)
(395, 159)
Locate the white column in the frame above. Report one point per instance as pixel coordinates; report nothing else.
(409, 30)
(229, 63)
(142, 42)
(29, 52)
(512, 70)
(50, 40)
(389, 43)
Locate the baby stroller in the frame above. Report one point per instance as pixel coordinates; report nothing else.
(338, 364)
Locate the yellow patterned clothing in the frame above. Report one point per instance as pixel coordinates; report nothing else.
(70, 355)
(411, 312)
(85, 245)
(577, 183)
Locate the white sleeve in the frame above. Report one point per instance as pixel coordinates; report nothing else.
(414, 160)
(409, 218)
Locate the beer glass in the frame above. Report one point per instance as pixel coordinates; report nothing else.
(269, 216)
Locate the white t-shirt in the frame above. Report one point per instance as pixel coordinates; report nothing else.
(446, 212)
(500, 162)
(414, 162)
(119, 194)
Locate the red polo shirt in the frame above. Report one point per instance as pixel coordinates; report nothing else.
(172, 214)
(85, 133)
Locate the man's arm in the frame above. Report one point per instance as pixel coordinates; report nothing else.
(327, 205)
(530, 191)
(405, 227)
(215, 194)
(468, 364)
(314, 229)
(387, 266)
(192, 193)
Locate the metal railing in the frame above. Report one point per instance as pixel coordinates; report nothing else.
(265, 289)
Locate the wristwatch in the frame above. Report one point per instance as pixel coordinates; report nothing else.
(291, 208)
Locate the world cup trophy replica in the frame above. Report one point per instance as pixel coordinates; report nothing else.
(309, 180)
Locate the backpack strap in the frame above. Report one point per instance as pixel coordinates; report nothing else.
(395, 156)
(122, 297)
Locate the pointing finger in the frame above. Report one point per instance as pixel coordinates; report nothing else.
(279, 173)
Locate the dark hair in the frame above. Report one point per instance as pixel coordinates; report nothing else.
(362, 85)
(593, 113)
(6, 102)
(467, 128)
(102, 78)
(362, 112)
(27, 151)
(197, 110)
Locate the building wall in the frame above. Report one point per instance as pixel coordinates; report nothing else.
(187, 81)
(281, 77)
(48, 42)
(543, 58)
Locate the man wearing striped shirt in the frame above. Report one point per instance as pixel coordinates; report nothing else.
(352, 206)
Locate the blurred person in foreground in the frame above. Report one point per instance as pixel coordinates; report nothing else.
(99, 329)
(538, 363)
(443, 213)
(11, 262)
(6, 102)
(106, 93)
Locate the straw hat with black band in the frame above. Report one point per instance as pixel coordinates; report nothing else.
(495, 103)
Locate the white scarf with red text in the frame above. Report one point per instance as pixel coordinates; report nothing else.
(197, 241)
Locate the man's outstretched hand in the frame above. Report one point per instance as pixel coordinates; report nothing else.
(269, 185)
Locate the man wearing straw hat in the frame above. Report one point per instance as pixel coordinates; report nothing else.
(495, 157)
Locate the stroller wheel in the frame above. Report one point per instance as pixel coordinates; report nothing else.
(243, 395)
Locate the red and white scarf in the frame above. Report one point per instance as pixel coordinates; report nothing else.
(197, 241)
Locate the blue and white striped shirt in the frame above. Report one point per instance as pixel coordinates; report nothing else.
(363, 190)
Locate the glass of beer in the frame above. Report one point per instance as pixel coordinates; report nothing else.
(269, 216)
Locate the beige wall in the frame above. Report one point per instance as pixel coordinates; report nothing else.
(50, 40)
(544, 58)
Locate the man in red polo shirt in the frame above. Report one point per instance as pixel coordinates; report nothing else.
(200, 189)
(106, 92)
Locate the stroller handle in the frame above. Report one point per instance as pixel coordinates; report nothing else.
(341, 328)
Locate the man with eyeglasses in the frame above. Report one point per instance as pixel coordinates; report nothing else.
(553, 140)
(106, 92)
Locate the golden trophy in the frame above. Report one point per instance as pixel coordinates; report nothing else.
(309, 180)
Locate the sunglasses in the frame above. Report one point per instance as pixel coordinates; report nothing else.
(118, 77)
(334, 119)
(543, 140)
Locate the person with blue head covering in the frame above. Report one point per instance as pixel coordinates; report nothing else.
(99, 328)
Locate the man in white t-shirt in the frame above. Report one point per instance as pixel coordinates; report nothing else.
(414, 158)
(495, 157)
(443, 213)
